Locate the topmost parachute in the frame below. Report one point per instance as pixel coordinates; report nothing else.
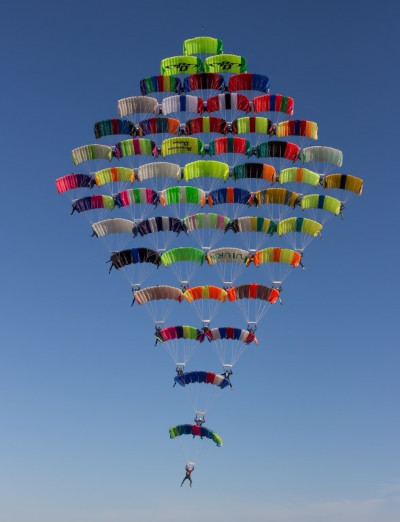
(202, 45)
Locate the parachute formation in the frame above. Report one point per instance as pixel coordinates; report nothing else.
(204, 181)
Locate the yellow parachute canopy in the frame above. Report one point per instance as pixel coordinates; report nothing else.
(275, 196)
(344, 182)
(207, 169)
(257, 124)
(299, 175)
(303, 225)
(322, 202)
(114, 174)
(202, 45)
(225, 63)
(181, 65)
(182, 145)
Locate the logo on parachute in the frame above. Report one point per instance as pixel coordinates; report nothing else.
(181, 66)
(179, 146)
(220, 256)
(225, 65)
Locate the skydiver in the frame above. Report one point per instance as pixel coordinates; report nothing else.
(199, 421)
(179, 372)
(188, 470)
(157, 333)
(227, 374)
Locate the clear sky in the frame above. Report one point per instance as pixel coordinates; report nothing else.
(311, 430)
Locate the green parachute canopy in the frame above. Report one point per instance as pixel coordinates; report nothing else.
(202, 45)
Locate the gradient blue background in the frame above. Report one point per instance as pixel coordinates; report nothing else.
(311, 432)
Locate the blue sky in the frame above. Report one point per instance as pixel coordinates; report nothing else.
(311, 429)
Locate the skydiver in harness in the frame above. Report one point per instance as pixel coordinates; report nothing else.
(226, 374)
(188, 477)
(179, 372)
(200, 419)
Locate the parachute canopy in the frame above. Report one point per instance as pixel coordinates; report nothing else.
(299, 175)
(318, 201)
(253, 291)
(206, 124)
(158, 126)
(225, 63)
(182, 194)
(134, 147)
(91, 152)
(228, 332)
(277, 255)
(253, 224)
(200, 431)
(160, 83)
(158, 224)
(228, 255)
(114, 174)
(255, 171)
(137, 104)
(202, 45)
(133, 256)
(182, 145)
(113, 126)
(305, 128)
(229, 195)
(202, 377)
(181, 65)
(323, 155)
(273, 103)
(159, 170)
(205, 292)
(228, 101)
(206, 220)
(179, 332)
(275, 196)
(92, 202)
(136, 196)
(156, 293)
(248, 82)
(344, 182)
(73, 181)
(278, 149)
(176, 255)
(303, 225)
(112, 226)
(207, 81)
(206, 169)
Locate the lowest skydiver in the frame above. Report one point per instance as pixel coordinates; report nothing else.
(188, 477)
